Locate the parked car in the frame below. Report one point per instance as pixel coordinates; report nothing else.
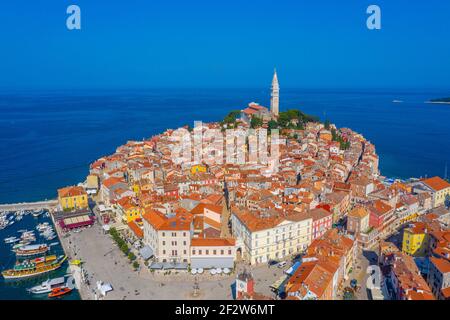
(281, 264)
(272, 262)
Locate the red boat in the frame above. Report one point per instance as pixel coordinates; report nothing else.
(58, 292)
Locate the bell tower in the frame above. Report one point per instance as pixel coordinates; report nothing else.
(275, 95)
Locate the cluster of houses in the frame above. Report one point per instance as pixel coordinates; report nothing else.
(324, 202)
(421, 269)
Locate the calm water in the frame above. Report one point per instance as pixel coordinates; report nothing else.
(17, 289)
(47, 139)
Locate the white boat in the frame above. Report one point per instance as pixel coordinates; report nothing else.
(21, 244)
(48, 285)
(37, 213)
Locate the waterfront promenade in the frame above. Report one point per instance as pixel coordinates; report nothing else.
(49, 205)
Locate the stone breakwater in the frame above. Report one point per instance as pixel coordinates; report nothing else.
(48, 205)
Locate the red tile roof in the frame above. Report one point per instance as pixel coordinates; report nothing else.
(436, 183)
(71, 191)
(212, 242)
(135, 228)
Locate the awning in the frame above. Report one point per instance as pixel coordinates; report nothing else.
(146, 252)
(156, 266)
(294, 268)
(210, 262)
(76, 222)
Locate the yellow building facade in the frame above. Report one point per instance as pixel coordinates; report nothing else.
(415, 240)
(131, 214)
(73, 197)
(198, 168)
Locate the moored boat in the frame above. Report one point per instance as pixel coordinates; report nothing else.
(34, 267)
(31, 250)
(11, 240)
(48, 285)
(58, 292)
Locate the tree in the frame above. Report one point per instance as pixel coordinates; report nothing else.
(327, 124)
(272, 124)
(334, 134)
(136, 265)
(256, 122)
(124, 248)
(131, 256)
(231, 117)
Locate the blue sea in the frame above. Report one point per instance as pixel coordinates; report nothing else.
(48, 139)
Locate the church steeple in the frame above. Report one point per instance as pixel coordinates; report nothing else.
(275, 95)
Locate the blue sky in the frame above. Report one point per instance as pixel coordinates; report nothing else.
(197, 43)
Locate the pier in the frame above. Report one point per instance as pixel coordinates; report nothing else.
(48, 205)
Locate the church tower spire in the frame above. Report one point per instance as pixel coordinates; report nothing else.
(275, 95)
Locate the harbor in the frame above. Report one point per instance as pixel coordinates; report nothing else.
(31, 254)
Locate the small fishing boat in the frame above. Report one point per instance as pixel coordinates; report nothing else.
(58, 292)
(37, 213)
(11, 240)
(21, 244)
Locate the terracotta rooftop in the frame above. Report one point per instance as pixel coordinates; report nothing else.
(436, 183)
(212, 242)
(71, 191)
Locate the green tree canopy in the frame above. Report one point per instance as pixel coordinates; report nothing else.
(232, 116)
(256, 122)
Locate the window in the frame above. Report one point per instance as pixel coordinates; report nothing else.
(229, 251)
(163, 234)
(199, 252)
(184, 234)
(193, 251)
(164, 243)
(207, 251)
(164, 251)
(184, 251)
(214, 252)
(184, 243)
(222, 252)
